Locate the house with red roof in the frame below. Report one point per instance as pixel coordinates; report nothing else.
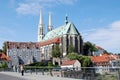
(4, 58)
(102, 63)
(71, 64)
(115, 63)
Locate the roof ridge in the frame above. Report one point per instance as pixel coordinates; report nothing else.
(61, 30)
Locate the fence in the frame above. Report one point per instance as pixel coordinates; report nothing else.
(86, 73)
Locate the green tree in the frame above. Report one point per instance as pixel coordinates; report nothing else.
(72, 56)
(80, 59)
(70, 49)
(4, 65)
(87, 61)
(50, 64)
(89, 47)
(56, 51)
(84, 60)
(105, 52)
(4, 50)
(1, 50)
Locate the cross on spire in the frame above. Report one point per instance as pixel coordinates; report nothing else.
(66, 19)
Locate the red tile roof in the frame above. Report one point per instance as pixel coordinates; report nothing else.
(69, 62)
(22, 45)
(108, 56)
(50, 41)
(96, 59)
(4, 57)
(32, 44)
(103, 59)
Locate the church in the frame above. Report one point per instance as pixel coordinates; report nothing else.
(29, 52)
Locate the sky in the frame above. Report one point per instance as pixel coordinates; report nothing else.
(98, 21)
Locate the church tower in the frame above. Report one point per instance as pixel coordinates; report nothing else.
(50, 27)
(40, 27)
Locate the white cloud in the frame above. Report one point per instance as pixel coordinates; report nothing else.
(28, 8)
(108, 38)
(70, 2)
(33, 6)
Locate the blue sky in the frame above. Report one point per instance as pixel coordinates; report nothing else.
(98, 21)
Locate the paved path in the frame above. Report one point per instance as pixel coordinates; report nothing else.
(28, 76)
(8, 77)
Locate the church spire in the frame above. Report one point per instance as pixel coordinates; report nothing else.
(41, 18)
(40, 27)
(66, 19)
(50, 22)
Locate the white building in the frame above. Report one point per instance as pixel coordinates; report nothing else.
(71, 64)
(103, 63)
(23, 52)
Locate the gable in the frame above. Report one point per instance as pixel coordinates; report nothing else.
(72, 30)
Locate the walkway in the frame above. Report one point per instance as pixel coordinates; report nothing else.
(33, 76)
(8, 77)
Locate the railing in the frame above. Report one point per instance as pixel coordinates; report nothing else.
(86, 73)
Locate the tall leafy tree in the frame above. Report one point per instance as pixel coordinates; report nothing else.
(4, 48)
(70, 49)
(0, 50)
(87, 61)
(84, 60)
(105, 52)
(72, 56)
(4, 65)
(56, 51)
(89, 48)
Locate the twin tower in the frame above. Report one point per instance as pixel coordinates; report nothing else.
(41, 33)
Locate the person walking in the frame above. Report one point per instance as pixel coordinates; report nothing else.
(22, 70)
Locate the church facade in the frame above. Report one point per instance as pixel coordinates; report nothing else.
(29, 52)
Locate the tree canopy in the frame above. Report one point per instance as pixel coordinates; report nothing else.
(105, 52)
(72, 56)
(4, 50)
(84, 60)
(1, 50)
(56, 51)
(4, 65)
(89, 47)
(70, 49)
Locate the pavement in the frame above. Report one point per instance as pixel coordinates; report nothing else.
(8, 77)
(34, 76)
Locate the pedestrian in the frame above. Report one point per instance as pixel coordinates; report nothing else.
(22, 70)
